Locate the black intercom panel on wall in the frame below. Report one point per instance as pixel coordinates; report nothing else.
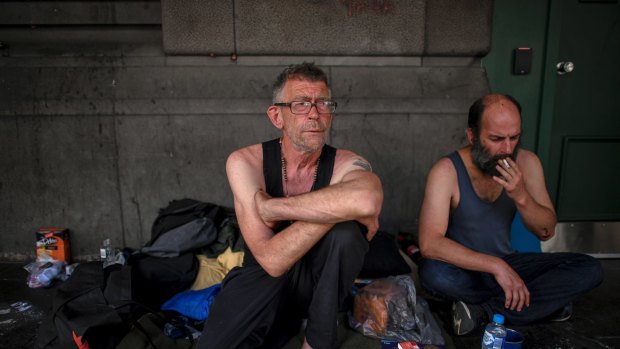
(522, 64)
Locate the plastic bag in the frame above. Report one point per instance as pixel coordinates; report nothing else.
(389, 309)
(44, 271)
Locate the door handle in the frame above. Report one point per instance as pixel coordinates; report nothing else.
(564, 67)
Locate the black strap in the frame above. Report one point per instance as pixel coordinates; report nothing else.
(326, 167)
(272, 167)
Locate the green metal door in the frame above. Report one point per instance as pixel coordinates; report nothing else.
(580, 124)
(581, 133)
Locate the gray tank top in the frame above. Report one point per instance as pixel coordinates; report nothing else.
(480, 225)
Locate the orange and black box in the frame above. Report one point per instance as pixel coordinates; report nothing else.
(54, 242)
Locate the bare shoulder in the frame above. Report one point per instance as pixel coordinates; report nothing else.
(250, 155)
(244, 168)
(526, 155)
(345, 158)
(441, 184)
(440, 195)
(443, 169)
(347, 161)
(528, 161)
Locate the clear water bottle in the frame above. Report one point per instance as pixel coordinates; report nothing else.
(46, 275)
(106, 251)
(494, 334)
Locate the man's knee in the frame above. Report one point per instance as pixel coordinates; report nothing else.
(347, 235)
(591, 271)
(443, 279)
(433, 277)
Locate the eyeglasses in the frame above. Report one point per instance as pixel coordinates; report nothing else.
(304, 107)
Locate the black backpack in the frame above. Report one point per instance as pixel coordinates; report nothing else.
(190, 225)
(180, 212)
(99, 305)
(81, 312)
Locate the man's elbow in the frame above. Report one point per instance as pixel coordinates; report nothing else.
(549, 228)
(273, 270)
(547, 233)
(544, 231)
(270, 263)
(426, 250)
(370, 205)
(372, 199)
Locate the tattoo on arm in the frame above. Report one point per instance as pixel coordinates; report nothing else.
(363, 164)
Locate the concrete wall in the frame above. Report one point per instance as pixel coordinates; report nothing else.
(106, 120)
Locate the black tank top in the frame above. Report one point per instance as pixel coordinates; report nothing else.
(478, 224)
(272, 171)
(272, 167)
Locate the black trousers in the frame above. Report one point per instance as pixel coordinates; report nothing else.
(255, 310)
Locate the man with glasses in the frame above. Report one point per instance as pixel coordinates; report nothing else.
(306, 212)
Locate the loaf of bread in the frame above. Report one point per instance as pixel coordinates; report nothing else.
(373, 304)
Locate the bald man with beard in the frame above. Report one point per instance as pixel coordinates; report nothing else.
(470, 201)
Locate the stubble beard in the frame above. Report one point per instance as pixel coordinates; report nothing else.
(304, 145)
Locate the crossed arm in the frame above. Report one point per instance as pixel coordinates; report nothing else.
(355, 194)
